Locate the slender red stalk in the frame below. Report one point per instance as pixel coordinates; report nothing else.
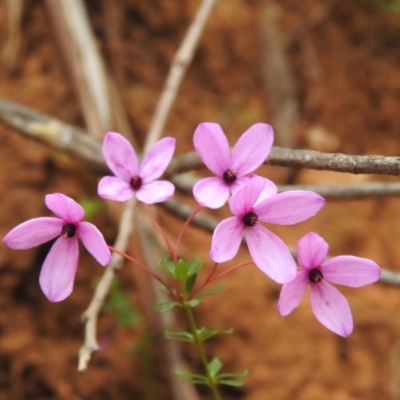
(157, 225)
(185, 225)
(155, 276)
(206, 281)
(227, 271)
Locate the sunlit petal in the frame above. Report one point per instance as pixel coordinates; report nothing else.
(211, 192)
(212, 147)
(120, 156)
(351, 271)
(94, 242)
(59, 269)
(157, 159)
(270, 254)
(252, 149)
(155, 192)
(331, 308)
(226, 240)
(33, 232)
(113, 188)
(64, 207)
(311, 250)
(292, 293)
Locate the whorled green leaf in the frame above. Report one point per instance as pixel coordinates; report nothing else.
(196, 379)
(230, 378)
(205, 333)
(181, 271)
(195, 266)
(162, 307)
(193, 303)
(210, 292)
(182, 336)
(190, 282)
(167, 265)
(214, 366)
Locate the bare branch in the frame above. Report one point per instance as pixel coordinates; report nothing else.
(177, 71)
(74, 32)
(101, 291)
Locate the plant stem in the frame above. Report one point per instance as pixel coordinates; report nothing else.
(199, 344)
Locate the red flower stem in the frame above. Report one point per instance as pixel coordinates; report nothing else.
(167, 241)
(155, 276)
(185, 225)
(227, 271)
(206, 282)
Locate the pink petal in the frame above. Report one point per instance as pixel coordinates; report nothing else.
(120, 156)
(269, 190)
(226, 240)
(156, 160)
(252, 149)
(212, 147)
(211, 192)
(270, 254)
(111, 187)
(33, 232)
(331, 308)
(59, 268)
(64, 207)
(243, 201)
(155, 192)
(311, 250)
(289, 207)
(94, 242)
(351, 271)
(292, 293)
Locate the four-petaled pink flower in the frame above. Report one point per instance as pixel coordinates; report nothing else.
(131, 179)
(328, 304)
(59, 268)
(258, 202)
(230, 169)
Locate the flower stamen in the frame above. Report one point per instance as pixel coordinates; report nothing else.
(68, 230)
(136, 182)
(315, 275)
(250, 219)
(229, 176)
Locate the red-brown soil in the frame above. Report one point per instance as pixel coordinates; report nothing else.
(345, 65)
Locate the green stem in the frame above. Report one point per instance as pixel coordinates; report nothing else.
(199, 344)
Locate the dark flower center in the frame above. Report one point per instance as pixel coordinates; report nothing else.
(68, 230)
(315, 275)
(136, 182)
(229, 176)
(250, 219)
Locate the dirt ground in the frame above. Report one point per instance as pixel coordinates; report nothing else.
(345, 58)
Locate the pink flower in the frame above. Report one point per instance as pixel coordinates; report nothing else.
(59, 268)
(258, 202)
(230, 169)
(328, 304)
(131, 178)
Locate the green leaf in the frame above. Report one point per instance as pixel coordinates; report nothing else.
(195, 266)
(205, 333)
(231, 382)
(210, 292)
(162, 307)
(193, 303)
(230, 375)
(214, 366)
(181, 271)
(167, 265)
(179, 335)
(196, 379)
(190, 282)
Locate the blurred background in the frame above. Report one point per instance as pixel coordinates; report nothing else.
(325, 74)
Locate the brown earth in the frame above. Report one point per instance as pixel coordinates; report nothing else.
(345, 58)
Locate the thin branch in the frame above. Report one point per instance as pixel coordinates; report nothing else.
(177, 71)
(72, 26)
(68, 138)
(53, 132)
(91, 313)
(310, 159)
